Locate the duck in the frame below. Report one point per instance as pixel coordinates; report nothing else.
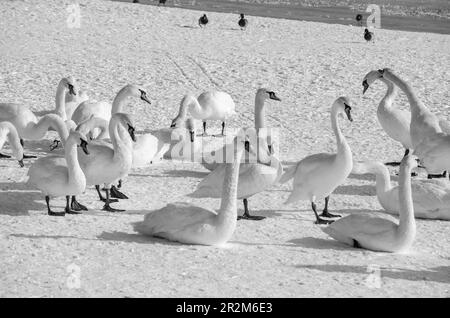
(203, 21)
(243, 22)
(431, 198)
(189, 224)
(9, 133)
(381, 232)
(104, 109)
(210, 105)
(395, 122)
(57, 176)
(254, 176)
(320, 174)
(109, 163)
(368, 36)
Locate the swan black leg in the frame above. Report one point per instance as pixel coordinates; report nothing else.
(68, 210)
(325, 212)
(49, 211)
(101, 198)
(319, 220)
(443, 175)
(107, 207)
(76, 206)
(204, 129)
(247, 216)
(115, 193)
(223, 128)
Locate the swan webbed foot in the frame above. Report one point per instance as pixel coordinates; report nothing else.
(4, 156)
(108, 208)
(392, 163)
(319, 220)
(29, 156)
(115, 193)
(51, 213)
(77, 206)
(327, 214)
(436, 176)
(70, 211)
(247, 216)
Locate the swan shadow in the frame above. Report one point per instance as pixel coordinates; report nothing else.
(186, 26)
(14, 192)
(319, 244)
(363, 190)
(439, 274)
(117, 236)
(352, 211)
(174, 174)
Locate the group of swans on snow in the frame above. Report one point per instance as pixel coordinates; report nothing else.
(102, 162)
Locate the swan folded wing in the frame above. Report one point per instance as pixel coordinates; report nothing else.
(48, 169)
(88, 108)
(175, 218)
(434, 152)
(431, 194)
(397, 126)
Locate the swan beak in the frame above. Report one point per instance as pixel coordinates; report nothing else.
(348, 112)
(131, 132)
(274, 96)
(144, 97)
(365, 85)
(21, 163)
(192, 135)
(55, 144)
(83, 146)
(71, 90)
(247, 146)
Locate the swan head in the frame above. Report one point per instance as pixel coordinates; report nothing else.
(343, 106)
(242, 16)
(79, 139)
(410, 161)
(69, 82)
(135, 91)
(127, 122)
(267, 94)
(371, 77)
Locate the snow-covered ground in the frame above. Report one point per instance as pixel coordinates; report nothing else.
(307, 64)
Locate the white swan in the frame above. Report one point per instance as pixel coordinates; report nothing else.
(9, 133)
(395, 122)
(104, 109)
(190, 224)
(211, 105)
(380, 232)
(60, 176)
(434, 154)
(431, 198)
(72, 101)
(254, 177)
(181, 141)
(318, 175)
(219, 156)
(110, 162)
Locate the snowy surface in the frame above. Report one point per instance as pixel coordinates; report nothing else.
(307, 64)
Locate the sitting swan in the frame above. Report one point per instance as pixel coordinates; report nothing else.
(110, 162)
(318, 175)
(190, 224)
(434, 154)
(253, 177)
(380, 232)
(57, 176)
(212, 105)
(431, 198)
(9, 133)
(395, 122)
(104, 109)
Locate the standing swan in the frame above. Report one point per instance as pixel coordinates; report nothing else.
(109, 163)
(57, 176)
(431, 198)
(318, 175)
(254, 177)
(9, 133)
(395, 122)
(190, 224)
(381, 232)
(211, 105)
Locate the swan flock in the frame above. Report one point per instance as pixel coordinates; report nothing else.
(101, 147)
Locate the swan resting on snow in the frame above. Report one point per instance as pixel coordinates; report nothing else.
(190, 224)
(9, 133)
(318, 175)
(59, 176)
(381, 232)
(211, 105)
(431, 198)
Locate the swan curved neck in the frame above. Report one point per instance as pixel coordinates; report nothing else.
(414, 102)
(391, 93)
(119, 100)
(122, 144)
(340, 138)
(228, 205)
(407, 223)
(51, 121)
(60, 100)
(383, 178)
(260, 112)
(71, 155)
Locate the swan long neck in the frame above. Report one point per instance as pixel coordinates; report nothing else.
(51, 121)
(407, 223)
(383, 178)
(71, 155)
(194, 106)
(391, 93)
(414, 102)
(342, 145)
(122, 145)
(260, 113)
(60, 100)
(119, 100)
(228, 205)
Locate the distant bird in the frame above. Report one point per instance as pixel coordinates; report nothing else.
(203, 21)
(162, 2)
(135, 1)
(369, 36)
(243, 22)
(359, 19)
